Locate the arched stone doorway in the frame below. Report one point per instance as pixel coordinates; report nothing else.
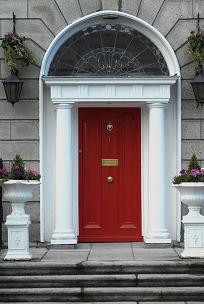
(150, 83)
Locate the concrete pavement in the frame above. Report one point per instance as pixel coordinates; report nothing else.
(101, 252)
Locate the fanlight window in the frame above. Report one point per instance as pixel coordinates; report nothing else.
(108, 50)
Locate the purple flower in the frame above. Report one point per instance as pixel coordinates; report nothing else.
(15, 168)
(183, 171)
(3, 171)
(33, 171)
(195, 172)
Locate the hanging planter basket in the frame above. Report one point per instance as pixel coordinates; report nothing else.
(14, 51)
(196, 50)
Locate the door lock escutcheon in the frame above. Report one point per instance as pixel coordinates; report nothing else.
(110, 179)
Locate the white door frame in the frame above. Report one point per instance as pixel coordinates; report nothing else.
(116, 92)
(150, 94)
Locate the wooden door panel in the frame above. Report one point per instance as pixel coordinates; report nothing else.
(110, 211)
(90, 147)
(129, 170)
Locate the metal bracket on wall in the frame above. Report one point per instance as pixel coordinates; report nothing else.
(14, 25)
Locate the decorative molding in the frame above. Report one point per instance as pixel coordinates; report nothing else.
(147, 89)
(100, 80)
(63, 105)
(156, 105)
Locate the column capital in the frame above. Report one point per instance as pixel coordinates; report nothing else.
(157, 105)
(63, 105)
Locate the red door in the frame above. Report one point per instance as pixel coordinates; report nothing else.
(109, 174)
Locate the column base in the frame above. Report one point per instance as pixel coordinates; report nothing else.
(64, 242)
(63, 238)
(158, 236)
(157, 241)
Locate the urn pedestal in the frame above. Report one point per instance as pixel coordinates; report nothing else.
(192, 194)
(18, 192)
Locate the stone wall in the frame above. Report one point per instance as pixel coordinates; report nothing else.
(40, 20)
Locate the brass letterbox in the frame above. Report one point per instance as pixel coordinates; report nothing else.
(109, 162)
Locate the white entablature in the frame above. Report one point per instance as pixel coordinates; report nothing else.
(81, 90)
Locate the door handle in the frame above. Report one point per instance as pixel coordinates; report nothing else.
(110, 179)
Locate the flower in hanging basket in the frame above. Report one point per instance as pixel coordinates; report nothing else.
(194, 173)
(196, 45)
(14, 48)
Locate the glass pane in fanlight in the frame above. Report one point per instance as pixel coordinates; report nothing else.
(112, 50)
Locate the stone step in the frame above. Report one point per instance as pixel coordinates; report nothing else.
(119, 267)
(46, 281)
(96, 302)
(170, 280)
(114, 282)
(117, 280)
(116, 294)
(157, 302)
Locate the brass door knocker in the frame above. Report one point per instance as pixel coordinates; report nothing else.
(109, 127)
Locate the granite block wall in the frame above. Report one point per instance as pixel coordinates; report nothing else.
(40, 21)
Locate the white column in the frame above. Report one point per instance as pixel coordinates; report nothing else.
(64, 224)
(158, 209)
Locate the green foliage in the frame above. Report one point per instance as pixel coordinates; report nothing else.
(196, 46)
(189, 178)
(18, 168)
(14, 48)
(184, 178)
(193, 164)
(194, 173)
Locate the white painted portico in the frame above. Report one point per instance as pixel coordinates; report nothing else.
(159, 100)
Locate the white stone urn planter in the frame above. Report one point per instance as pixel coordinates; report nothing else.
(18, 192)
(192, 194)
